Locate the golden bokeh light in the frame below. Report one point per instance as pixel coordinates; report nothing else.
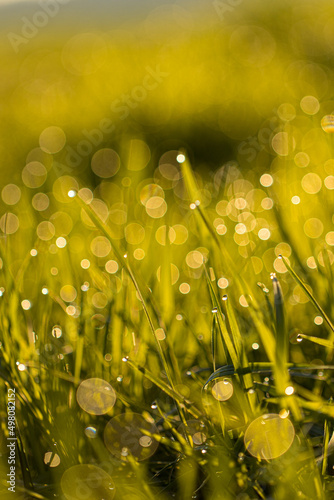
(174, 274)
(40, 202)
(269, 436)
(9, 223)
(68, 293)
(311, 183)
(52, 140)
(139, 155)
(45, 230)
(160, 334)
(123, 436)
(90, 479)
(106, 163)
(327, 123)
(313, 227)
(11, 194)
(100, 246)
(222, 390)
(95, 396)
(310, 105)
(184, 288)
(34, 174)
(156, 207)
(134, 233)
(111, 266)
(51, 459)
(62, 186)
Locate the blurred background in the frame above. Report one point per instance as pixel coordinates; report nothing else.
(203, 75)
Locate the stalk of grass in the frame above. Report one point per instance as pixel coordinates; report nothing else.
(123, 259)
(282, 379)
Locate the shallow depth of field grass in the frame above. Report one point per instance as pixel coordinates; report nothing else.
(166, 289)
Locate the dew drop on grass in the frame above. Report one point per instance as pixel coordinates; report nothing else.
(224, 297)
(125, 359)
(154, 406)
(214, 310)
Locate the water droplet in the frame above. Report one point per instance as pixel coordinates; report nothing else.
(72, 193)
(45, 291)
(272, 276)
(263, 287)
(192, 206)
(197, 203)
(154, 406)
(125, 359)
(120, 378)
(280, 256)
(224, 297)
(124, 452)
(214, 310)
(189, 373)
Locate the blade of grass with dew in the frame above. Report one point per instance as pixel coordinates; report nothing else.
(282, 378)
(97, 221)
(220, 322)
(238, 342)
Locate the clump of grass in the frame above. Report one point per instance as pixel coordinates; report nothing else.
(229, 386)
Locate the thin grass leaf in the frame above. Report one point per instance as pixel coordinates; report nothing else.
(308, 293)
(316, 340)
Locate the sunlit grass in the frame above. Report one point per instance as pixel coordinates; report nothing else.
(166, 319)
